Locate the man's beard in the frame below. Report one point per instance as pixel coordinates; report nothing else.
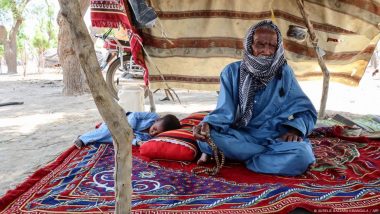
(271, 57)
(265, 61)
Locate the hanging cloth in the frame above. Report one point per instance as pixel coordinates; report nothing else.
(116, 13)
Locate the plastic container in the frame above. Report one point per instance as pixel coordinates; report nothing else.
(131, 98)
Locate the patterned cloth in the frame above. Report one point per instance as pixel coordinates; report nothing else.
(256, 71)
(344, 180)
(204, 36)
(109, 13)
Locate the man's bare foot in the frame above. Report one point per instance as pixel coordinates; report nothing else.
(78, 143)
(203, 159)
(313, 165)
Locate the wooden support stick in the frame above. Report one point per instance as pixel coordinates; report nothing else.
(322, 64)
(111, 112)
(161, 75)
(151, 101)
(11, 103)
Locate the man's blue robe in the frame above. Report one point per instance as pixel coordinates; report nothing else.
(258, 144)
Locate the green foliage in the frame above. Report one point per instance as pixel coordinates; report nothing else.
(14, 6)
(22, 38)
(10, 12)
(43, 13)
(40, 41)
(5, 4)
(51, 26)
(39, 28)
(5, 13)
(1, 51)
(4, 18)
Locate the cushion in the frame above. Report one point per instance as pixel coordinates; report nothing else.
(193, 119)
(179, 144)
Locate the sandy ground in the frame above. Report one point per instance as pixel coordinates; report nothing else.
(34, 133)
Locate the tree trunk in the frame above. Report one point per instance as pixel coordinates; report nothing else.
(25, 61)
(74, 80)
(112, 113)
(10, 55)
(10, 48)
(43, 62)
(3, 34)
(39, 62)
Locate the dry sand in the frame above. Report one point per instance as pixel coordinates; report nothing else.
(34, 133)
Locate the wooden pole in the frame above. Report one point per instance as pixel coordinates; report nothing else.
(322, 64)
(151, 101)
(111, 112)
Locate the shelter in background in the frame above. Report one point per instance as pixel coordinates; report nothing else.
(194, 40)
(202, 37)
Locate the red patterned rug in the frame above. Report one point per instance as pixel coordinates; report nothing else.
(346, 179)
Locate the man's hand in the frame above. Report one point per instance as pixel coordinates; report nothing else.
(201, 131)
(293, 135)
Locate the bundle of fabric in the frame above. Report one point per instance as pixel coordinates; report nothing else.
(110, 13)
(345, 179)
(202, 37)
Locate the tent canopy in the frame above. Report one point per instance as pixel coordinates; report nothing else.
(195, 39)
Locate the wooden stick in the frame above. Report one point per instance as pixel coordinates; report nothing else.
(175, 95)
(11, 103)
(322, 64)
(111, 112)
(168, 94)
(160, 73)
(151, 101)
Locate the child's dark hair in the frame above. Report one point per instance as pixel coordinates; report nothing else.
(170, 122)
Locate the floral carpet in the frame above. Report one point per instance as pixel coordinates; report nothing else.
(345, 179)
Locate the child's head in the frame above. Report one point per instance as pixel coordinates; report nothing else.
(165, 123)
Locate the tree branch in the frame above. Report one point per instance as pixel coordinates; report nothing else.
(17, 15)
(111, 112)
(14, 29)
(23, 5)
(3, 34)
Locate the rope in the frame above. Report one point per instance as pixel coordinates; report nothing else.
(163, 33)
(219, 160)
(169, 90)
(160, 73)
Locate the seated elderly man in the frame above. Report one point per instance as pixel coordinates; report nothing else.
(262, 116)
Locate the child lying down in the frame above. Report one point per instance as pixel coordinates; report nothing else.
(145, 125)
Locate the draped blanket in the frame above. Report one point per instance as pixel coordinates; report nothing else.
(346, 179)
(203, 36)
(115, 14)
(109, 13)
